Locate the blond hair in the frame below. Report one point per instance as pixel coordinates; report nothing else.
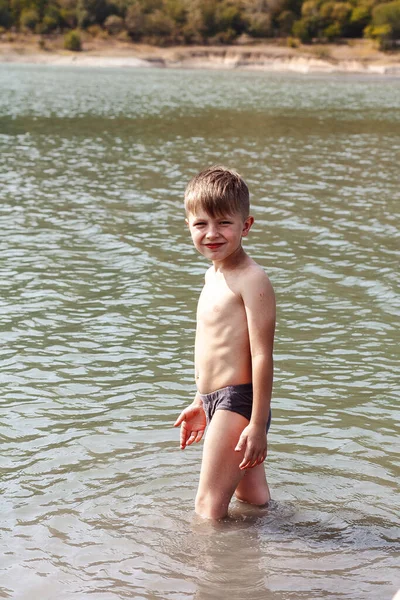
(218, 191)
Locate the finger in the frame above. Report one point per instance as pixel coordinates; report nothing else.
(180, 419)
(184, 435)
(199, 435)
(263, 456)
(248, 459)
(260, 459)
(191, 438)
(245, 464)
(240, 445)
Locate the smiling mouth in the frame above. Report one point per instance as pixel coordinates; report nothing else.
(213, 246)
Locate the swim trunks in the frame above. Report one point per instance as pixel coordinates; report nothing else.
(236, 398)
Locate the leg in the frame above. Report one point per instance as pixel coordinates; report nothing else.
(220, 473)
(253, 488)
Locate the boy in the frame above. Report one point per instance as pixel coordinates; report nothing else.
(233, 348)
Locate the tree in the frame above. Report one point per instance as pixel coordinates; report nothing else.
(305, 29)
(385, 26)
(359, 19)
(5, 14)
(134, 21)
(388, 14)
(29, 18)
(90, 12)
(285, 22)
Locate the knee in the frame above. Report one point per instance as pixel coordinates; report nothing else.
(210, 507)
(256, 497)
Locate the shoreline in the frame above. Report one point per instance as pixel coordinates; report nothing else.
(356, 56)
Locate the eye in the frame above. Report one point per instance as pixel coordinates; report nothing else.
(226, 222)
(199, 224)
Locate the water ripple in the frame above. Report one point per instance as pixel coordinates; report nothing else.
(98, 291)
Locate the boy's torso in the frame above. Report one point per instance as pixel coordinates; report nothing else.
(222, 350)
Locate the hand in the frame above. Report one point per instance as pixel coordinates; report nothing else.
(253, 440)
(193, 423)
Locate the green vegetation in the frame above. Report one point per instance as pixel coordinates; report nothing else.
(208, 21)
(385, 25)
(72, 41)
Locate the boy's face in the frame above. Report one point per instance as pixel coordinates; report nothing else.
(217, 238)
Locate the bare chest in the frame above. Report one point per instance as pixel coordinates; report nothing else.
(218, 303)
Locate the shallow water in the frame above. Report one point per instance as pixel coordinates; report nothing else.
(98, 291)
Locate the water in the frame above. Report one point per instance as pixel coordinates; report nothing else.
(99, 284)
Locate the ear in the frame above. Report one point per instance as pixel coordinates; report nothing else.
(187, 222)
(247, 225)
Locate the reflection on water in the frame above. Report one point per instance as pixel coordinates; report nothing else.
(98, 293)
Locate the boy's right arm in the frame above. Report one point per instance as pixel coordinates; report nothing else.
(193, 423)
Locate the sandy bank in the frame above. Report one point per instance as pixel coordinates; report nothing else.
(355, 57)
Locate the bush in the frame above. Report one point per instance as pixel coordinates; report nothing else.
(385, 26)
(359, 19)
(114, 24)
(72, 41)
(325, 20)
(388, 15)
(95, 30)
(381, 34)
(332, 32)
(292, 42)
(204, 21)
(29, 18)
(341, 12)
(159, 24)
(124, 36)
(303, 31)
(223, 37)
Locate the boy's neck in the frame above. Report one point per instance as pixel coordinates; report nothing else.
(232, 261)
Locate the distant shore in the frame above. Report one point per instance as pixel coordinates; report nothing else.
(354, 56)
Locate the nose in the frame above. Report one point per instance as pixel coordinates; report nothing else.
(212, 232)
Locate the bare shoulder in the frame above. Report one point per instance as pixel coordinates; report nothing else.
(255, 281)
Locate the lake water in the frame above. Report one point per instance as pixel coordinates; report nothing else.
(99, 283)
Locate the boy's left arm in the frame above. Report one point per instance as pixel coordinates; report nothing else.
(259, 302)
